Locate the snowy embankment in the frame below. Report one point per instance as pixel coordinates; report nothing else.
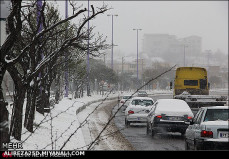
(52, 131)
(61, 129)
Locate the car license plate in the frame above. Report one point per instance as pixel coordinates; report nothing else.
(223, 134)
(174, 118)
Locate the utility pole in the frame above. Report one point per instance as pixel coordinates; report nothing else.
(112, 38)
(184, 54)
(137, 54)
(88, 52)
(142, 69)
(122, 71)
(66, 55)
(208, 51)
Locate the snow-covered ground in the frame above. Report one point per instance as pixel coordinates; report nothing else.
(61, 128)
(69, 127)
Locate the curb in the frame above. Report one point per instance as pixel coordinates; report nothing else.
(91, 102)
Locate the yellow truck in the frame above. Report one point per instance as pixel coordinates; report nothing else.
(191, 84)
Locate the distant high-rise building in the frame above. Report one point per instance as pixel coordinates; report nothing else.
(194, 45)
(172, 49)
(158, 44)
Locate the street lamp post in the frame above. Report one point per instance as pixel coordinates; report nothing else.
(184, 54)
(66, 56)
(112, 40)
(208, 52)
(137, 51)
(39, 22)
(88, 52)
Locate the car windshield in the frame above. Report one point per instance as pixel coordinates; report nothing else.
(142, 102)
(216, 114)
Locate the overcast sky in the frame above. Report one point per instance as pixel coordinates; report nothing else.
(207, 19)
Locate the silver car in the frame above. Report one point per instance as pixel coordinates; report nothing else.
(209, 129)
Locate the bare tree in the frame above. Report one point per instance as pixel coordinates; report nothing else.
(24, 62)
(14, 26)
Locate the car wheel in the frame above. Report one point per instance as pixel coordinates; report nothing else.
(196, 147)
(186, 145)
(147, 129)
(182, 133)
(153, 132)
(127, 123)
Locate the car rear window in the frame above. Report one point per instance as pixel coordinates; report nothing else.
(142, 102)
(141, 92)
(216, 114)
(126, 97)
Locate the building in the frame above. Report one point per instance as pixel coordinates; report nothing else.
(158, 45)
(193, 45)
(171, 49)
(128, 65)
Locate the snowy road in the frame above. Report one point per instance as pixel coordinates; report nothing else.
(136, 134)
(111, 138)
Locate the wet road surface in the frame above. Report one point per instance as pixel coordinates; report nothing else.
(136, 134)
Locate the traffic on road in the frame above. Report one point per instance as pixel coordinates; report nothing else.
(165, 123)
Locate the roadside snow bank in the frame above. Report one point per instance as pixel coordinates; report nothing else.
(53, 130)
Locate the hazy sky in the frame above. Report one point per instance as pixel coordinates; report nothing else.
(207, 19)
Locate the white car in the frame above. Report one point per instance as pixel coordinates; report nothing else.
(124, 98)
(142, 94)
(169, 115)
(124, 102)
(137, 110)
(209, 129)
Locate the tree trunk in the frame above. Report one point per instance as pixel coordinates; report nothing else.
(57, 89)
(30, 106)
(19, 97)
(40, 101)
(81, 89)
(47, 97)
(16, 122)
(4, 129)
(43, 103)
(75, 83)
(40, 94)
